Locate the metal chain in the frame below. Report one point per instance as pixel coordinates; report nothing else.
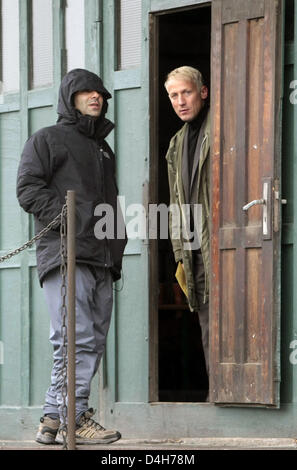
(63, 271)
(60, 219)
(55, 222)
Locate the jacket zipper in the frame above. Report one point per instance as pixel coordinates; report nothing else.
(103, 195)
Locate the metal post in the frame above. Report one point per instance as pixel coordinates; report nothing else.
(71, 317)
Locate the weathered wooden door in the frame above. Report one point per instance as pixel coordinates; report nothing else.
(245, 249)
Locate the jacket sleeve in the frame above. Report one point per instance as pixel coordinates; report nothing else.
(174, 216)
(34, 174)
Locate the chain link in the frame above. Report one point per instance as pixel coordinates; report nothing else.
(55, 222)
(60, 219)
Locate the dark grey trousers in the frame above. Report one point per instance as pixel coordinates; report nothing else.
(94, 298)
(203, 311)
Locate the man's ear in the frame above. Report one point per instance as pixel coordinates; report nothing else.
(204, 92)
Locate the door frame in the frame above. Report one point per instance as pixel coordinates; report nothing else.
(154, 15)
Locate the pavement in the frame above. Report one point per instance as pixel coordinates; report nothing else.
(186, 444)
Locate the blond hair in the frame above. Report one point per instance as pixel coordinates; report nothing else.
(187, 73)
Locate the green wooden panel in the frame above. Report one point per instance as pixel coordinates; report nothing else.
(288, 315)
(130, 143)
(125, 372)
(41, 117)
(131, 157)
(10, 334)
(40, 97)
(40, 348)
(93, 35)
(132, 333)
(124, 79)
(287, 391)
(287, 147)
(9, 150)
(180, 420)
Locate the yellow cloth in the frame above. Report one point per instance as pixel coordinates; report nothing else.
(181, 278)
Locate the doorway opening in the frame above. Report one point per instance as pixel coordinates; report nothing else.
(178, 372)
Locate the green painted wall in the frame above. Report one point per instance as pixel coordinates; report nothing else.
(24, 324)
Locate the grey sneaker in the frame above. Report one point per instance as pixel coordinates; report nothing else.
(47, 430)
(89, 432)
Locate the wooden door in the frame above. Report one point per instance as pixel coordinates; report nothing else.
(245, 248)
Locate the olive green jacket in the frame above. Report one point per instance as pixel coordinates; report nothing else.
(181, 248)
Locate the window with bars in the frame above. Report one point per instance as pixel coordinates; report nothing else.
(128, 34)
(9, 46)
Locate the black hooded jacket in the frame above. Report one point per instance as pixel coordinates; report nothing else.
(73, 155)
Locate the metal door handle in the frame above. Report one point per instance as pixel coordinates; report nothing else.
(266, 202)
(253, 203)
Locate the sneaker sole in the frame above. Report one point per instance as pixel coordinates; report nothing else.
(45, 439)
(86, 441)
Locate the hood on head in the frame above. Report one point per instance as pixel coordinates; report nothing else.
(78, 80)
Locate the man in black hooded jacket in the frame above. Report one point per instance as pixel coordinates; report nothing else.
(73, 154)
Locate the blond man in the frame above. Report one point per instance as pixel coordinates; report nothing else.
(188, 174)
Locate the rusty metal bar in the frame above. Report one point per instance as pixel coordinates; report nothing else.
(71, 317)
